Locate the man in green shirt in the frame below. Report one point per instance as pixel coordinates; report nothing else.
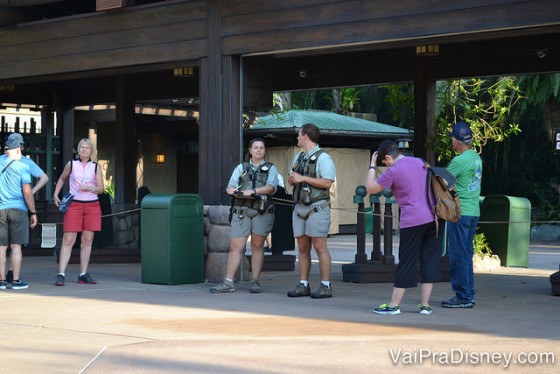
(467, 168)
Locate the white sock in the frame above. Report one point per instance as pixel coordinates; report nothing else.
(326, 283)
(304, 282)
(228, 280)
(62, 274)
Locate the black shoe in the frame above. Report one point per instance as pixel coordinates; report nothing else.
(456, 302)
(10, 276)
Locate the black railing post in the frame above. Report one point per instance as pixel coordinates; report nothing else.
(388, 258)
(376, 252)
(361, 256)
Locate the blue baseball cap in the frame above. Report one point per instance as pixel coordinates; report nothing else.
(14, 141)
(462, 132)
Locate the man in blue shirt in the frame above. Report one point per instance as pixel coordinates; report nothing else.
(42, 179)
(16, 198)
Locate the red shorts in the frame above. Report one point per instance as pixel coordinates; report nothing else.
(82, 217)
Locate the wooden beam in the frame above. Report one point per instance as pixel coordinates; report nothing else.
(125, 136)
(424, 113)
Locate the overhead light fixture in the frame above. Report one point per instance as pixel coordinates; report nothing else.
(427, 50)
(183, 72)
(160, 158)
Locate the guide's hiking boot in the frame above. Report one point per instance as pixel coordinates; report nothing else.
(322, 292)
(300, 291)
(255, 287)
(223, 287)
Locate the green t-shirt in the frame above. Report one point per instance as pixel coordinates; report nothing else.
(467, 168)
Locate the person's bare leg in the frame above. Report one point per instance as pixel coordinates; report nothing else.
(396, 298)
(15, 260)
(320, 245)
(236, 250)
(257, 254)
(425, 293)
(68, 240)
(85, 250)
(304, 256)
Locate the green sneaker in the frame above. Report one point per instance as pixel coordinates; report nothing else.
(424, 309)
(386, 309)
(223, 287)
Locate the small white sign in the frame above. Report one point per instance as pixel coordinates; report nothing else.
(48, 235)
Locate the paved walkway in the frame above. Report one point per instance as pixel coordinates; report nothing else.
(121, 325)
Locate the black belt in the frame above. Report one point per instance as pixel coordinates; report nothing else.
(242, 208)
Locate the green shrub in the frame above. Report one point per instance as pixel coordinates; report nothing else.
(481, 246)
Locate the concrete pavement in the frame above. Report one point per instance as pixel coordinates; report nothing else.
(121, 325)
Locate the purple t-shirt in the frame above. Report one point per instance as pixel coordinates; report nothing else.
(407, 180)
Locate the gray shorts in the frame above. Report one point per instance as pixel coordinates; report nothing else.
(14, 227)
(246, 220)
(316, 225)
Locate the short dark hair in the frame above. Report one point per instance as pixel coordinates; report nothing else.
(254, 140)
(387, 147)
(312, 132)
(251, 142)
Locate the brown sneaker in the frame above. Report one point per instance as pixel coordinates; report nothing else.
(300, 291)
(322, 292)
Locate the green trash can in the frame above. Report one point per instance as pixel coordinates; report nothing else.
(510, 239)
(172, 239)
(369, 220)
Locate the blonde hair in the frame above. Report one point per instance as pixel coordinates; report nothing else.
(89, 143)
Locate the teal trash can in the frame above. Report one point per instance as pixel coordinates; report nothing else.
(510, 239)
(172, 239)
(369, 220)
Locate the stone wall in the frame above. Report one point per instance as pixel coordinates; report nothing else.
(126, 225)
(216, 244)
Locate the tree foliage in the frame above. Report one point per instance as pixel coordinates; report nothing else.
(486, 104)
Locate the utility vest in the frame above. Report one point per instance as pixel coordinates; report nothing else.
(303, 192)
(250, 180)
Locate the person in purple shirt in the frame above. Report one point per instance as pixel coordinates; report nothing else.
(406, 177)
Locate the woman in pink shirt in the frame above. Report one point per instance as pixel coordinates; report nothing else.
(84, 213)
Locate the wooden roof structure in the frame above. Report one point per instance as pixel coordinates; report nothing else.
(57, 55)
